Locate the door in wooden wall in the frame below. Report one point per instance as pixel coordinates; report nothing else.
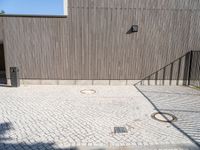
(2, 65)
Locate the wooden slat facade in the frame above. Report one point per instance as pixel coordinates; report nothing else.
(92, 44)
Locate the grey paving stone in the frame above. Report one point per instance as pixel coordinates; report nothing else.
(60, 117)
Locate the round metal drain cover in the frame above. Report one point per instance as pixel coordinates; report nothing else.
(163, 117)
(88, 91)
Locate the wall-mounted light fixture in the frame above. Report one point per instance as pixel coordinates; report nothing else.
(134, 28)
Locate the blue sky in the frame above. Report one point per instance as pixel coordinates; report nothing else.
(36, 7)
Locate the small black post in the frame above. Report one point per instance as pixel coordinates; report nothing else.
(148, 80)
(164, 70)
(179, 70)
(156, 78)
(171, 74)
(14, 77)
(190, 68)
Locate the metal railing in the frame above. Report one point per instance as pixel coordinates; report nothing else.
(194, 70)
(185, 70)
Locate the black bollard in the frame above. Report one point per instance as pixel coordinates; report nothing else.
(14, 77)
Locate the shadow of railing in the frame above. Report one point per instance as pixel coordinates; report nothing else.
(179, 72)
(153, 102)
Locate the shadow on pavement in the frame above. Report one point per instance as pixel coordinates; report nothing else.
(185, 123)
(4, 142)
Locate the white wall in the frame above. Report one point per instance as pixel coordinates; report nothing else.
(65, 7)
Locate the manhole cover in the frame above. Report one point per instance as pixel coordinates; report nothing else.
(120, 130)
(163, 117)
(88, 91)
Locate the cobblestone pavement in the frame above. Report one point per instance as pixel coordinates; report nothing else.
(60, 117)
(183, 102)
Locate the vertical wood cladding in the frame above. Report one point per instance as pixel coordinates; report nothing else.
(91, 43)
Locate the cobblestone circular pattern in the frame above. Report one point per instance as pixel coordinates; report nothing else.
(88, 91)
(164, 117)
